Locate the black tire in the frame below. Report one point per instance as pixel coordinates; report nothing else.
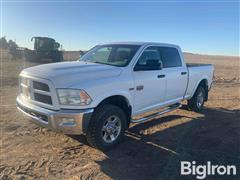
(194, 103)
(95, 133)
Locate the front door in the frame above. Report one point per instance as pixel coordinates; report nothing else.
(150, 82)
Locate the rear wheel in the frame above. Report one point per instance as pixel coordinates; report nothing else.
(107, 127)
(197, 101)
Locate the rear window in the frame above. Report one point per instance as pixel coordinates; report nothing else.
(170, 57)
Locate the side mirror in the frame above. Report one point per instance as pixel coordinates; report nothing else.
(151, 64)
(154, 64)
(161, 64)
(81, 53)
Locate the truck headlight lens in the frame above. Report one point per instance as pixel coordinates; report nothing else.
(73, 97)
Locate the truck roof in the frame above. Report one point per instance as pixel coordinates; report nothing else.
(141, 43)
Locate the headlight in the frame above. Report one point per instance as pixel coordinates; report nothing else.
(73, 97)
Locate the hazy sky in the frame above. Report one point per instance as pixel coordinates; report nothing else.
(197, 26)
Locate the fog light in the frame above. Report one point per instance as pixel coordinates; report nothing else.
(65, 121)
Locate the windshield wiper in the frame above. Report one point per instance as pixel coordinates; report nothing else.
(99, 62)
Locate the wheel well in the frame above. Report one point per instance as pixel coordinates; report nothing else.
(121, 102)
(204, 83)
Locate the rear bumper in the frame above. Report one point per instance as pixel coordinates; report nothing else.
(65, 121)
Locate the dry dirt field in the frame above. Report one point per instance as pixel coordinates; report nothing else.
(152, 150)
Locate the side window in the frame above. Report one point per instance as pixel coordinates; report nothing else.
(170, 57)
(149, 60)
(122, 54)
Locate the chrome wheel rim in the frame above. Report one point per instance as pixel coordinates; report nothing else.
(111, 129)
(200, 99)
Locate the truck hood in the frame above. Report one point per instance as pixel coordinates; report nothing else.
(70, 74)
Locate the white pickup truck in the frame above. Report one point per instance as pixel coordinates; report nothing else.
(109, 87)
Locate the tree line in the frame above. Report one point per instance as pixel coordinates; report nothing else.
(10, 44)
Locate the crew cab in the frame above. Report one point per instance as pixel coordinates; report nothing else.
(111, 86)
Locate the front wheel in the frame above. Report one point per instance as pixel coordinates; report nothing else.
(107, 127)
(197, 101)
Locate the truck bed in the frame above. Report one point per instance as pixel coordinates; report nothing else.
(196, 64)
(197, 72)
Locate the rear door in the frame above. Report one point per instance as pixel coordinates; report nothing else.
(176, 74)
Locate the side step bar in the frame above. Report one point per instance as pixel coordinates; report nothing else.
(151, 116)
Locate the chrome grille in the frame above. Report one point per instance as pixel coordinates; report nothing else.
(35, 91)
(40, 86)
(43, 98)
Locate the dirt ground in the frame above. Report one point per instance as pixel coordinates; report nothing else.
(152, 150)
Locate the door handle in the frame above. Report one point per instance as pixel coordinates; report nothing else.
(139, 88)
(183, 73)
(161, 76)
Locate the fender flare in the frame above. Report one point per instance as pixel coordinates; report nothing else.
(124, 94)
(198, 83)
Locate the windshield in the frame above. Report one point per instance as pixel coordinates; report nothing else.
(115, 55)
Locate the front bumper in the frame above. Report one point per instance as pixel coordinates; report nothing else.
(65, 121)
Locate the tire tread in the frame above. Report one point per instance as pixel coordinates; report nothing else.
(92, 133)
